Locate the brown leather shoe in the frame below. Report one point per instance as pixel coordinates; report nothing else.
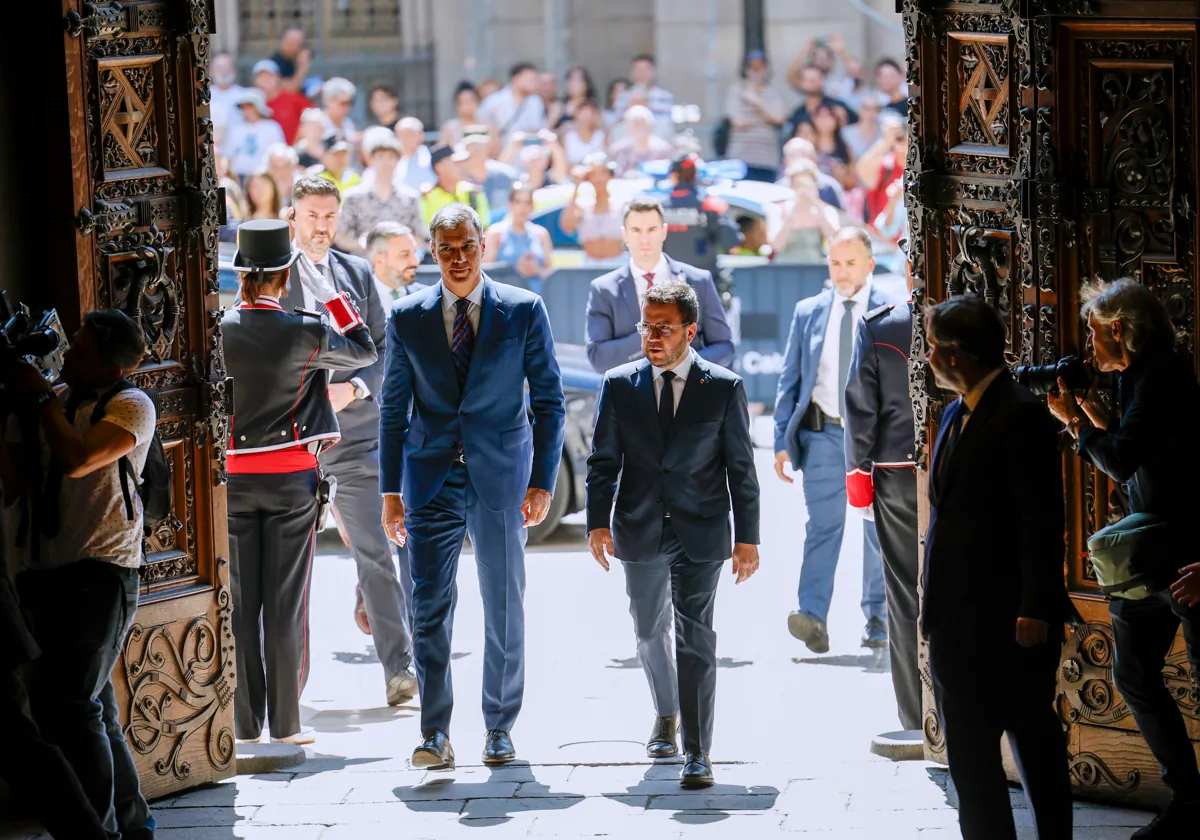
(360, 615)
(662, 739)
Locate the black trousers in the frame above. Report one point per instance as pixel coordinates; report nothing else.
(1019, 685)
(895, 511)
(1144, 632)
(272, 531)
(81, 614)
(672, 586)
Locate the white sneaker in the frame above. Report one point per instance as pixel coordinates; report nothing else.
(299, 739)
(401, 688)
(244, 741)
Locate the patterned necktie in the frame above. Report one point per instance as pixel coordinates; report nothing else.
(845, 348)
(649, 276)
(666, 403)
(463, 343)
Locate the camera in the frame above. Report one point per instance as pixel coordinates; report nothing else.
(1043, 379)
(41, 342)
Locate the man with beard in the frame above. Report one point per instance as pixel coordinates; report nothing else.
(355, 460)
(673, 430)
(394, 255)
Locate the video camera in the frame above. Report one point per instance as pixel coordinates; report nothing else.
(42, 342)
(1043, 379)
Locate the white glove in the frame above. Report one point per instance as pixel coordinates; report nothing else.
(314, 279)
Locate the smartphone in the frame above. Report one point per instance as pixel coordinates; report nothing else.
(534, 140)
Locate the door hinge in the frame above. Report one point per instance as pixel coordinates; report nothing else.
(99, 20)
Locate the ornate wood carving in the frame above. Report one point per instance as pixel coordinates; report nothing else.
(148, 209)
(1057, 146)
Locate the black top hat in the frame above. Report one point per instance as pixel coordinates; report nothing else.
(264, 245)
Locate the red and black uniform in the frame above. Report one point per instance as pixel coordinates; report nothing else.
(699, 228)
(282, 419)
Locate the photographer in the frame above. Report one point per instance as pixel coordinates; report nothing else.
(1150, 449)
(81, 551)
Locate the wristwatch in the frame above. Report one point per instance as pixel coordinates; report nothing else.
(360, 389)
(43, 397)
(1075, 424)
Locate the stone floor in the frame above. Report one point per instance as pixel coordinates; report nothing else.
(791, 743)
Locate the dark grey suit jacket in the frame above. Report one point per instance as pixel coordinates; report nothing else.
(353, 275)
(613, 313)
(704, 468)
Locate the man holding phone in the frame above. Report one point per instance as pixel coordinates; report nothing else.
(883, 163)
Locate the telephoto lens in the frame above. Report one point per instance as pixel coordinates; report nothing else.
(1043, 379)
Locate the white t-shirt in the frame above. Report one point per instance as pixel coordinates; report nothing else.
(92, 517)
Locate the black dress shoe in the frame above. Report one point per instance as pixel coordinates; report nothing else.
(434, 753)
(662, 739)
(498, 748)
(876, 635)
(1179, 819)
(697, 772)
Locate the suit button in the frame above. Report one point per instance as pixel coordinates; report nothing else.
(283, 434)
(243, 437)
(462, 414)
(658, 501)
(666, 472)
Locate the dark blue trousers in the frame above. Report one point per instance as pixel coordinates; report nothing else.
(435, 540)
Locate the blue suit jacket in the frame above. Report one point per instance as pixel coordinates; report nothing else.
(703, 469)
(805, 342)
(423, 414)
(613, 313)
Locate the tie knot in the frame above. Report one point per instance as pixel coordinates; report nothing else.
(649, 277)
(667, 376)
(849, 304)
(462, 305)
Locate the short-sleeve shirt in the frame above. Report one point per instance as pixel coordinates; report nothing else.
(757, 142)
(92, 508)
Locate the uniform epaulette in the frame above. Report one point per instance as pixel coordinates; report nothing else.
(879, 312)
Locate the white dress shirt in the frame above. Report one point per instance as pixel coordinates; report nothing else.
(677, 384)
(971, 398)
(450, 310)
(662, 276)
(310, 299)
(385, 293)
(825, 391)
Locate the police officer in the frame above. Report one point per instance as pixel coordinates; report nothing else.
(282, 419)
(697, 227)
(881, 475)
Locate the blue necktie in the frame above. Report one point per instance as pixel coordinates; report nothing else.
(463, 343)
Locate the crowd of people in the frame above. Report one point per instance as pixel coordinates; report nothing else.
(840, 149)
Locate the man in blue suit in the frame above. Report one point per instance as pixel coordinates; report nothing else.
(468, 460)
(614, 303)
(675, 431)
(809, 408)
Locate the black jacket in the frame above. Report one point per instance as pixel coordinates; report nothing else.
(353, 275)
(879, 409)
(280, 364)
(1153, 449)
(996, 549)
(704, 469)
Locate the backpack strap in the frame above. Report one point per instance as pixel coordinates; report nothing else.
(124, 467)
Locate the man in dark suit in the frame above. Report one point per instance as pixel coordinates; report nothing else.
(881, 476)
(614, 302)
(355, 459)
(994, 560)
(459, 454)
(810, 433)
(675, 429)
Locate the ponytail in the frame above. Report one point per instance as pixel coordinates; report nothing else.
(257, 282)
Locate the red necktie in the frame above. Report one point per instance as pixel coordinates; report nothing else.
(649, 275)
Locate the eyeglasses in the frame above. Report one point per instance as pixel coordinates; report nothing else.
(660, 330)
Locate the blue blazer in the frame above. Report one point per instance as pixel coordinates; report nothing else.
(613, 313)
(806, 340)
(424, 416)
(702, 471)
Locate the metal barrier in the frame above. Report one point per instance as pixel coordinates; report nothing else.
(765, 297)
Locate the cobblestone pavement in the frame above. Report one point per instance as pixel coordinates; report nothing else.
(791, 744)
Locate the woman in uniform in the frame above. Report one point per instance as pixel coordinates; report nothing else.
(282, 419)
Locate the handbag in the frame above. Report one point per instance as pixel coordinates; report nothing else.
(1129, 556)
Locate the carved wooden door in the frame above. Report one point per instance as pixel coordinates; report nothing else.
(1052, 142)
(147, 217)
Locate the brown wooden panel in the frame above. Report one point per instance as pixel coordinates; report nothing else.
(147, 219)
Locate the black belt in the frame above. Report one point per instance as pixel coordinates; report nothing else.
(815, 419)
